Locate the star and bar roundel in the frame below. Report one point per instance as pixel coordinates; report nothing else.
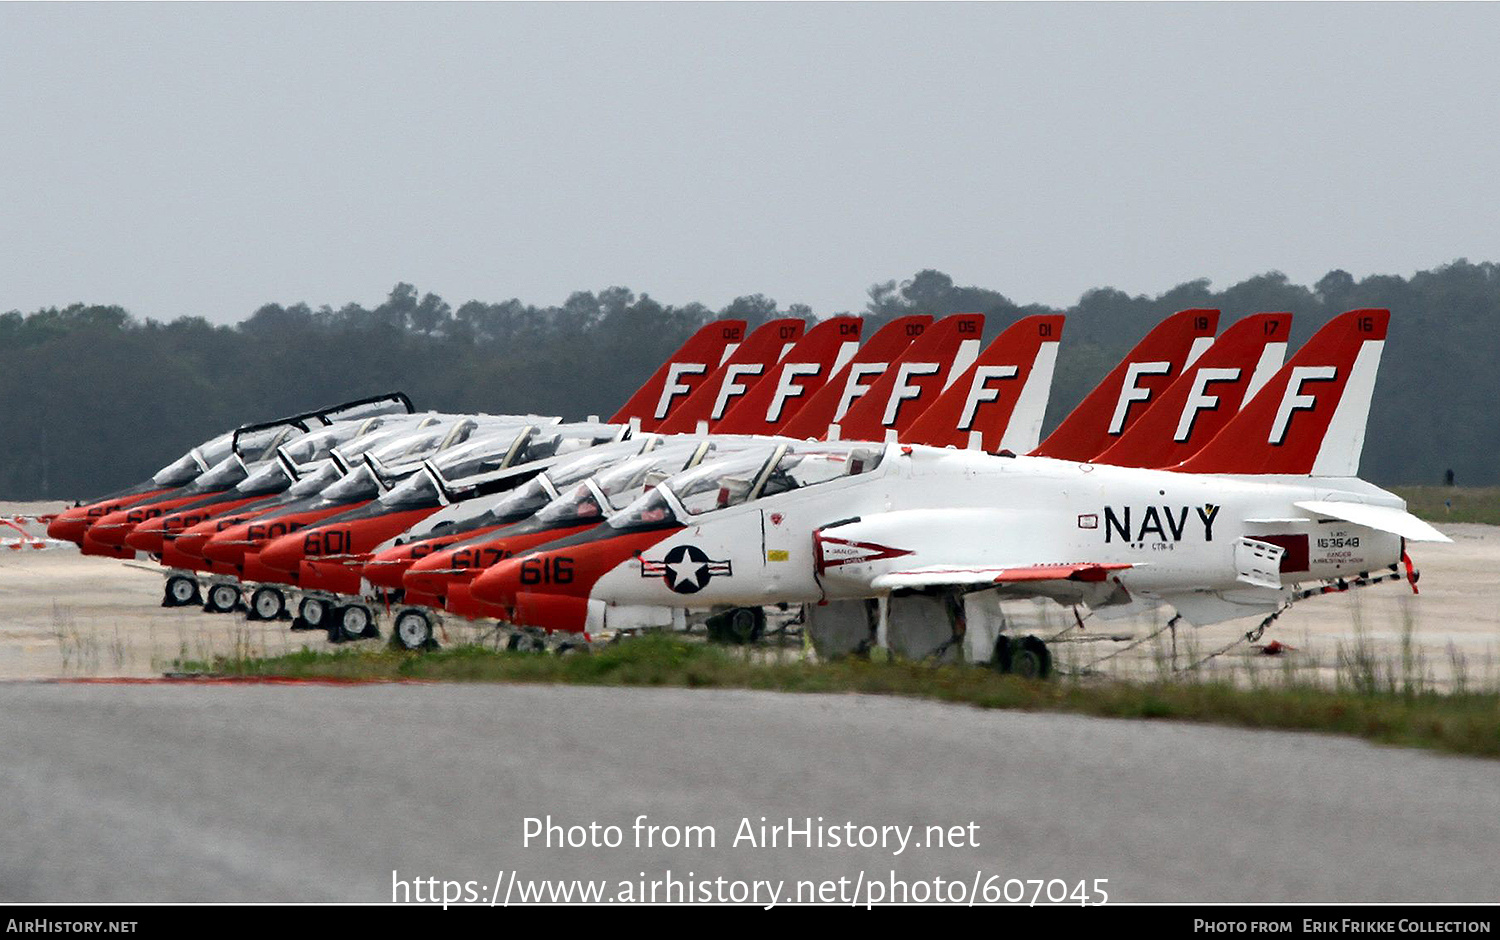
(687, 569)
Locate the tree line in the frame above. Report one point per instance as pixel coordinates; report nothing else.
(93, 398)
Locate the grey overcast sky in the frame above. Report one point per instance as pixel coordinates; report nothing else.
(207, 158)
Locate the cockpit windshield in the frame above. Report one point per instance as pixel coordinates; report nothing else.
(651, 511)
(317, 445)
(518, 504)
(589, 463)
(186, 468)
(315, 482)
(575, 507)
(482, 454)
(358, 485)
(222, 475)
(623, 483)
(720, 484)
(259, 444)
(812, 463)
(740, 477)
(269, 477)
(416, 490)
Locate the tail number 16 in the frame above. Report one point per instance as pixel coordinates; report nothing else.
(547, 571)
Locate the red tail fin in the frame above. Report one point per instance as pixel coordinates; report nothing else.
(912, 383)
(1127, 392)
(801, 373)
(1310, 418)
(998, 404)
(1207, 396)
(851, 382)
(682, 374)
(739, 373)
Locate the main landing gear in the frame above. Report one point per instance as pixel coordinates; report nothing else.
(354, 622)
(222, 598)
(312, 614)
(267, 603)
(181, 592)
(413, 630)
(1027, 657)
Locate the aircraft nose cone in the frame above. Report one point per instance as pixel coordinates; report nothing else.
(69, 526)
(111, 531)
(500, 584)
(191, 542)
(387, 571)
(147, 537)
(430, 575)
(284, 553)
(225, 547)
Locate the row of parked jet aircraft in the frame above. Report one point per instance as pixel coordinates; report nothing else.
(888, 489)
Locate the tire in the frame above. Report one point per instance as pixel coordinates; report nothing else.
(222, 598)
(181, 592)
(523, 641)
(413, 630)
(740, 626)
(572, 648)
(1031, 659)
(1001, 659)
(267, 603)
(354, 622)
(312, 614)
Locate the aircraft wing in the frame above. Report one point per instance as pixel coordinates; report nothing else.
(1384, 518)
(985, 576)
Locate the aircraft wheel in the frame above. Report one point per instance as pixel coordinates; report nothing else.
(524, 641)
(267, 603)
(311, 614)
(354, 622)
(572, 648)
(413, 630)
(222, 598)
(741, 625)
(181, 592)
(1030, 659)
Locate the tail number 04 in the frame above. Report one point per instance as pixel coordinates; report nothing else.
(547, 571)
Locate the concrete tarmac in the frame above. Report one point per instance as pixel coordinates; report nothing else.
(169, 792)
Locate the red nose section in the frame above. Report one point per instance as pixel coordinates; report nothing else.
(91, 546)
(460, 601)
(177, 525)
(227, 547)
(149, 536)
(111, 529)
(387, 568)
(192, 540)
(339, 541)
(230, 545)
(440, 571)
(284, 553)
(552, 612)
(69, 526)
(569, 570)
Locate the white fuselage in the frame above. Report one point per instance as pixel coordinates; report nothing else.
(927, 508)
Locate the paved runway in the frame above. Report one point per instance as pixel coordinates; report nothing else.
(242, 792)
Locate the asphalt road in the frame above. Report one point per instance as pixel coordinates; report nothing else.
(235, 792)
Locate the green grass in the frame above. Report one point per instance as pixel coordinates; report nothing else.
(1468, 503)
(1461, 723)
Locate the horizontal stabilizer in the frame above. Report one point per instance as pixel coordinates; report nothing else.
(1385, 518)
(984, 576)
